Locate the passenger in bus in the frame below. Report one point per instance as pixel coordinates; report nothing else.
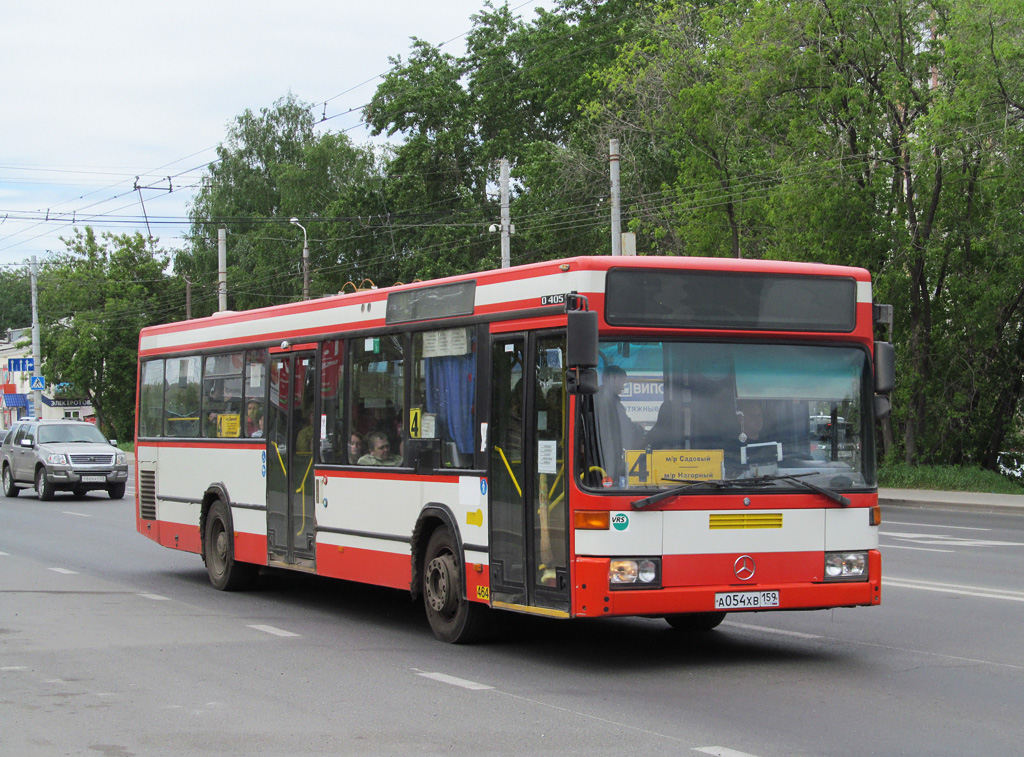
(380, 451)
(616, 431)
(356, 446)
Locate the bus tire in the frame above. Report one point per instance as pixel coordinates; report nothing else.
(44, 489)
(226, 574)
(10, 490)
(453, 618)
(695, 622)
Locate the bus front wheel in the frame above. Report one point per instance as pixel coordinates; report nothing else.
(453, 618)
(695, 622)
(219, 551)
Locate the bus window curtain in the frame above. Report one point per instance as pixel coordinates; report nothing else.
(450, 395)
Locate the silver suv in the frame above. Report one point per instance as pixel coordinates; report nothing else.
(61, 455)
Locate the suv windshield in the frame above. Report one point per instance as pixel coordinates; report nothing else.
(63, 434)
(670, 411)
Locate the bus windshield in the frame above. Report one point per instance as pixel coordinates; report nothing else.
(671, 412)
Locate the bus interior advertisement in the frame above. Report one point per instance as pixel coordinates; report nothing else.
(721, 416)
(700, 442)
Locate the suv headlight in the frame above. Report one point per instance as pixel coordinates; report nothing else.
(634, 573)
(846, 566)
(56, 458)
(120, 459)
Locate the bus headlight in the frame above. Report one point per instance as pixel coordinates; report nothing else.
(846, 566)
(634, 573)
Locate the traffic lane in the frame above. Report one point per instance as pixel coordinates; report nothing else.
(837, 665)
(166, 678)
(953, 548)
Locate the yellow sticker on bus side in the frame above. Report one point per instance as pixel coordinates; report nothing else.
(229, 425)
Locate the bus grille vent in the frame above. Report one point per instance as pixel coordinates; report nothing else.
(147, 494)
(745, 520)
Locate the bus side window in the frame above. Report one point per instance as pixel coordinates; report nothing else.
(444, 392)
(332, 397)
(378, 387)
(255, 393)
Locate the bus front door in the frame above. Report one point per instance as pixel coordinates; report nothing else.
(528, 510)
(290, 434)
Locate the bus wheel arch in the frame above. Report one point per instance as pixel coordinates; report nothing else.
(218, 547)
(439, 575)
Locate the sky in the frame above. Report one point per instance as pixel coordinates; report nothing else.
(95, 94)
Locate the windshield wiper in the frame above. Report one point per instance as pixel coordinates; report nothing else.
(716, 483)
(721, 483)
(798, 478)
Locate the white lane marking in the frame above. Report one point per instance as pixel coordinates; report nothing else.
(274, 631)
(64, 571)
(4, 554)
(930, 525)
(12, 668)
(951, 541)
(766, 629)
(721, 751)
(154, 596)
(452, 680)
(916, 549)
(983, 592)
(80, 515)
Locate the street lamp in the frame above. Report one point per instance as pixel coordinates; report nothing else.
(305, 259)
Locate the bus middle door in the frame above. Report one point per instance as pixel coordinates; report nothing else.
(528, 509)
(290, 482)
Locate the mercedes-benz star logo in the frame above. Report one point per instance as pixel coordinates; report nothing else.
(744, 567)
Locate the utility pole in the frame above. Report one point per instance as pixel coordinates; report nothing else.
(37, 395)
(613, 161)
(222, 269)
(506, 258)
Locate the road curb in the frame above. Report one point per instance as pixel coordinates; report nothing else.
(973, 501)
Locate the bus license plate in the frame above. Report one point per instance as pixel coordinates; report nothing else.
(745, 600)
(93, 479)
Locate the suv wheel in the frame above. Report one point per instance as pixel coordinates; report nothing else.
(10, 489)
(43, 487)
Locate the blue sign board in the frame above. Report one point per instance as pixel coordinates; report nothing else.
(21, 364)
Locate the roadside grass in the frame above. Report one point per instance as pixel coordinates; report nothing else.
(946, 478)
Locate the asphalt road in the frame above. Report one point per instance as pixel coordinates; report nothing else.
(111, 645)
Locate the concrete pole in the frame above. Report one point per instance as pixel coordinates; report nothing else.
(36, 354)
(222, 269)
(506, 258)
(613, 160)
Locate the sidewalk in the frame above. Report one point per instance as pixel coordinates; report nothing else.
(981, 501)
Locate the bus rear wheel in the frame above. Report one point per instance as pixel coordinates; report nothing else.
(226, 574)
(695, 622)
(453, 618)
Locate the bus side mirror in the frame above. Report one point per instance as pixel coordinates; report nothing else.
(885, 367)
(581, 339)
(883, 406)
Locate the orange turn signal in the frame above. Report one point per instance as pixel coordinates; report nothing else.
(592, 520)
(875, 519)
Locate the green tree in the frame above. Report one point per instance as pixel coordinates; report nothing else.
(93, 300)
(15, 298)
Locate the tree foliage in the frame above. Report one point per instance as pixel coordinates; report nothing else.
(93, 300)
(887, 134)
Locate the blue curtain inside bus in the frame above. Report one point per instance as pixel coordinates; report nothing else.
(450, 395)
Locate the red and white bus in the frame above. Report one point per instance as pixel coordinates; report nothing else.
(580, 438)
